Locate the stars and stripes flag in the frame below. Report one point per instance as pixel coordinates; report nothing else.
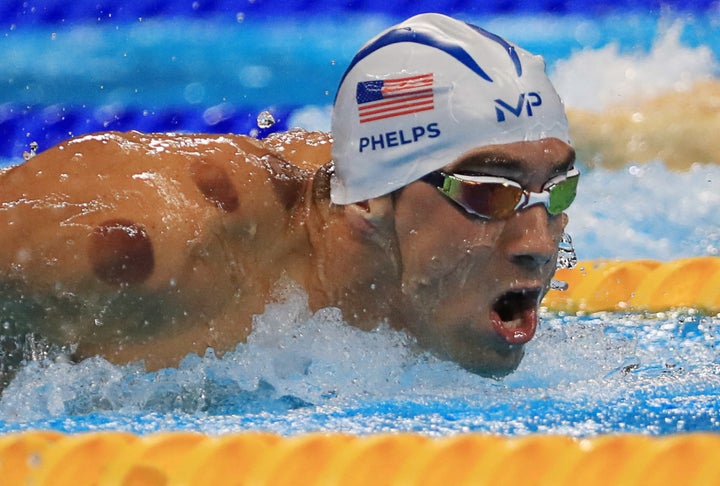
(389, 98)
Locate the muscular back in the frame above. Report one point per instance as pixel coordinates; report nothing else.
(111, 240)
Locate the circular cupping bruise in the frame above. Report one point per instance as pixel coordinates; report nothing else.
(121, 252)
(215, 184)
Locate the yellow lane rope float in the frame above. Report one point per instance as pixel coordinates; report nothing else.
(639, 285)
(186, 458)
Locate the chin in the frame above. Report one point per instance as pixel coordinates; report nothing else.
(497, 363)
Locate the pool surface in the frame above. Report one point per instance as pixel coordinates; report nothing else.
(213, 68)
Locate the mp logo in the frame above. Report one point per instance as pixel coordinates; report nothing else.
(525, 102)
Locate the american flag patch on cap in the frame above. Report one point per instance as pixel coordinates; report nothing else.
(388, 98)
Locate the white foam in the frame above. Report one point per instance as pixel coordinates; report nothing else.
(311, 118)
(594, 79)
(635, 213)
(301, 371)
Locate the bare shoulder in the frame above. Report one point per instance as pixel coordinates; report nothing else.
(306, 150)
(114, 239)
(221, 167)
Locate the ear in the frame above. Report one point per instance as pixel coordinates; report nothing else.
(366, 224)
(370, 219)
(373, 219)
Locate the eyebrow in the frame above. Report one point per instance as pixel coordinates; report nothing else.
(512, 165)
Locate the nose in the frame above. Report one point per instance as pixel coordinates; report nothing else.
(529, 239)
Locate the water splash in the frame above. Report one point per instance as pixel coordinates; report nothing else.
(265, 119)
(616, 77)
(635, 213)
(301, 371)
(33, 151)
(566, 258)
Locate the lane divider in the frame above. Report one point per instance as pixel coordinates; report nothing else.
(639, 286)
(255, 458)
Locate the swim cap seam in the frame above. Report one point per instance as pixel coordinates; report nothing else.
(509, 48)
(407, 34)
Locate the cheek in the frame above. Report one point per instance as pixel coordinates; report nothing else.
(446, 256)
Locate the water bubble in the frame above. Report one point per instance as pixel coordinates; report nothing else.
(194, 93)
(34, 460)
(636, 170)
(265, 119)
(255, 76)
(216, 114)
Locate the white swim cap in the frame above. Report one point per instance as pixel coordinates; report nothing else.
(422, 93)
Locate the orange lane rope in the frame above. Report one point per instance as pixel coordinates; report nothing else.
(639, 285)
(187, 458)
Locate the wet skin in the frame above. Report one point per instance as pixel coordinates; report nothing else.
(457, 267)
(150, 247)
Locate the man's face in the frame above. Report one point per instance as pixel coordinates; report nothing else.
(473, 285)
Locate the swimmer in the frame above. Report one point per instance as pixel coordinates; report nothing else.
(436, 206)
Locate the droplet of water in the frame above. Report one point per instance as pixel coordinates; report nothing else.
(33, 151)
(567, 258)
(265, 119)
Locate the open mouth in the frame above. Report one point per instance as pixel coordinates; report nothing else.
(514, 315)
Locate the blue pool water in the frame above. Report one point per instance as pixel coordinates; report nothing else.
(215, 69)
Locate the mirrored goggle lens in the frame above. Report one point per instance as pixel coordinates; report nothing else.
(562, 194)
(494, 200)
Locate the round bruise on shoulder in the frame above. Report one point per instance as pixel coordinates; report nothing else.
(214, 183)
(121, 252)
(288, 180)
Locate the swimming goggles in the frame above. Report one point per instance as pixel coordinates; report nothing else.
(493, 197)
